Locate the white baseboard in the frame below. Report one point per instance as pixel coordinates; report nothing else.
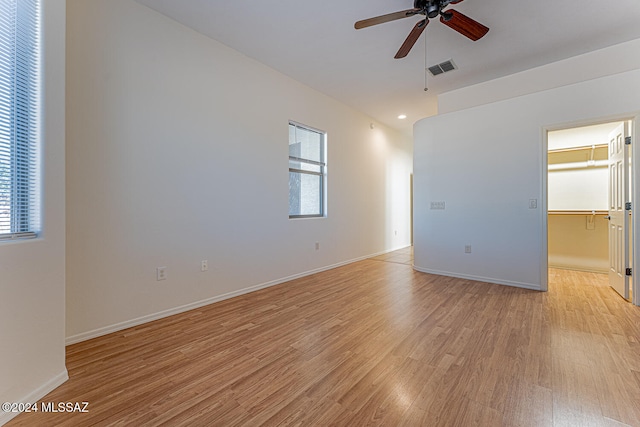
(36, 395)
(594, 265)
(531, 286)
(197, 304)
(579, 268)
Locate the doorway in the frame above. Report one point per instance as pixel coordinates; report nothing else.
(588, 221)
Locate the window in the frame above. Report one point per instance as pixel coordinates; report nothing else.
(19, 118)
(307, 172)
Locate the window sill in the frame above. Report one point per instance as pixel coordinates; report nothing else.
(308, 217)
(17, 237)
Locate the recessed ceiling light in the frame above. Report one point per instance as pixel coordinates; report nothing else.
(402, 116)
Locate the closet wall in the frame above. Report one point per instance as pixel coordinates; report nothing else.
(577, 198)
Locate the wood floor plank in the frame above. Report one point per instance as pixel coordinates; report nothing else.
(370, 343)
(528, 405)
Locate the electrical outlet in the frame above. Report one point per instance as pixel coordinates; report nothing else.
(204, 265)
(317, 246)
(467, 249)
(161, 273)
(533, 203)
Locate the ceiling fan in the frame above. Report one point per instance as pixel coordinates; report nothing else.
(430, 9)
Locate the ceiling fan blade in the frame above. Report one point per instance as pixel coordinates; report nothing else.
(413, 37)
(385, 18)
(464, 25)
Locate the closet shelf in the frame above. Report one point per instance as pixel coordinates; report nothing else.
(580, 148)
(578, 212)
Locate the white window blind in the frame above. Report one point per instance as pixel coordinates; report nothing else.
(19, 118)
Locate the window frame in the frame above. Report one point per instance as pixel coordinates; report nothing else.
(22, 92)
(322, 165)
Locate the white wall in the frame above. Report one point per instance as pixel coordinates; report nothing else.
(32, 278)
(177, 151)
(486, 162)
(592, 65)
(578, 189)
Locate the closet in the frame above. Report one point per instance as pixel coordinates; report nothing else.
(577, 196)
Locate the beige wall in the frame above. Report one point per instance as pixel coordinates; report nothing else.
(32, 272)
(573, 246)
(177, 151)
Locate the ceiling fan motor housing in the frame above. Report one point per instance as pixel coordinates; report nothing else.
(431, 8)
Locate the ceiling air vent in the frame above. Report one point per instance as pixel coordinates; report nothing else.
(442, 67)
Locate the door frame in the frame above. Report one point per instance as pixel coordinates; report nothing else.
(634, 178)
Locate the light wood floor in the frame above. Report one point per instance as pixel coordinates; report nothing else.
(371, 343)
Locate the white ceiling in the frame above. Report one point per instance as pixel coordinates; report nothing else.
(316, 44)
